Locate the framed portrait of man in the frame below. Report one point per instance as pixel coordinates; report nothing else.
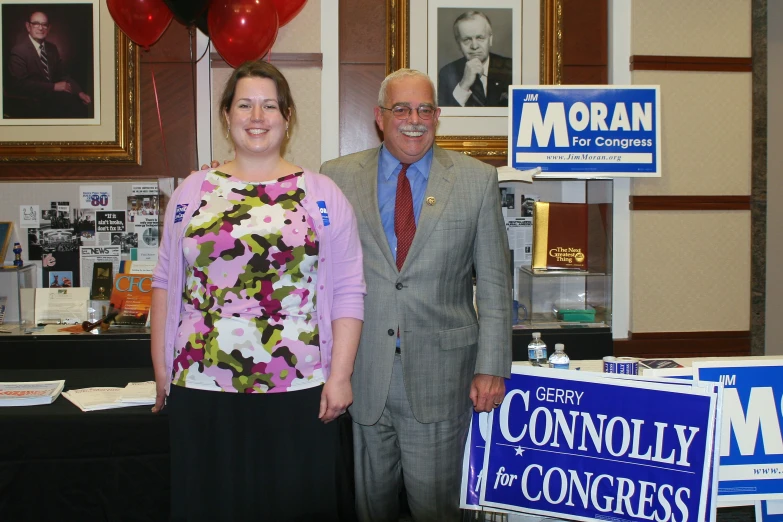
(474, 58)
(50, 63)
(473, 51)
(69, 80)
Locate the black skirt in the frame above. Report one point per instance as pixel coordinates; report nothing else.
(257, 457)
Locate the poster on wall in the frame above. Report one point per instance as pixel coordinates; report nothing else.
(586, 131)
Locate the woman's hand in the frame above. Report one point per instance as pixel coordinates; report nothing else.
(160, 397)
(336, 396)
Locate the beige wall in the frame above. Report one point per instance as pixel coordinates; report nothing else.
(690, 270)
(301, 35)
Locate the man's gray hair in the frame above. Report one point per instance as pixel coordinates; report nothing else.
(470, 15)
(404, 73)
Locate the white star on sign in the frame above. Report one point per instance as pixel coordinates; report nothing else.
(519, 449)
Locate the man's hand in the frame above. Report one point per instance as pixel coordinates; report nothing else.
(215, 164)
(85, 98)
(487, 392)
(336, 396)
(62, 86)
(473, 69)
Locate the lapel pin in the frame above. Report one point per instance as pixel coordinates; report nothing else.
(430, 201)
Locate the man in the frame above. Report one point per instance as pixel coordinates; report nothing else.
(38, 77)
(479, 78)
(425, 360)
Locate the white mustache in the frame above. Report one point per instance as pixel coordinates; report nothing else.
(413, 128)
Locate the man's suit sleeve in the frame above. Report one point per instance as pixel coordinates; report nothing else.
(446, 82)
(493, 284)
(26, 82)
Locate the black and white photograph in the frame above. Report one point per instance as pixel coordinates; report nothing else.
(474, 57)
(48, 62)
(125, 240)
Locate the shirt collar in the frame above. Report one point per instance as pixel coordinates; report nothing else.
(36, 44)
(387, 164)
(486, 68)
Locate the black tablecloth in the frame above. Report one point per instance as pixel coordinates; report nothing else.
(58, 463)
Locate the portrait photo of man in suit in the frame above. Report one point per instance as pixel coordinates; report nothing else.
(42, 61)
(479, 78)
(427, 218)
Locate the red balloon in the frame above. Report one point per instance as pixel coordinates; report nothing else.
(288, 9)
(144, 21)
(242, 30)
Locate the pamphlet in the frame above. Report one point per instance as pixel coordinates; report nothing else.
(29, 393)
(106, 398)
(139, 393)
(132, 295)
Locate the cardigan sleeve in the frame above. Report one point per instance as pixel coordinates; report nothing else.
(349, 288)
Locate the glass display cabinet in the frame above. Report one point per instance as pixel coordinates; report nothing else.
(567, 306)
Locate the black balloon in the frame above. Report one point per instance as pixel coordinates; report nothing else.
(201, 22)
(188, 12)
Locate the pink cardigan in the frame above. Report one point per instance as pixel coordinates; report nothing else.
(341, 287)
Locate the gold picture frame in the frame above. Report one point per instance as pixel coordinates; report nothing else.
(115, 137)
(493, 149)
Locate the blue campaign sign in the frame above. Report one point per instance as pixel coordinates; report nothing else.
(751, 451)
(586, 131)
(473, 461)
(586, 447)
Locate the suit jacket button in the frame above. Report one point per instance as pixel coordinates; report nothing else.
(398, 286)
(391, 331)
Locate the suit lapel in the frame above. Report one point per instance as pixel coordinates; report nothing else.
(439, 187)
(367, 192)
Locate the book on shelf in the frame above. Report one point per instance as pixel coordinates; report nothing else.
(132, 295)
(559, 236)
(29, 393)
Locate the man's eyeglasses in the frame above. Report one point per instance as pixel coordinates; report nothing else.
(403, 112)
(39, 25)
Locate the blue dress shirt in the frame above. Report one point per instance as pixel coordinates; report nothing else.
(388, 169)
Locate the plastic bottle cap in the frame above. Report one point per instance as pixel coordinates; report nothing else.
(559, 346)
(536, 335)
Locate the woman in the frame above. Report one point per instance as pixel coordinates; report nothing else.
(259, 294)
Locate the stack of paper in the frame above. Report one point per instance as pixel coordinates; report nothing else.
(92, 399)
(29, 393)
(139, 393)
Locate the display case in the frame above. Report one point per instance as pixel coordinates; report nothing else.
(558, 298)
(23, 281)
(573, 307)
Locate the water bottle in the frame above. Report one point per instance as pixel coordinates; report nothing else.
(559, 359)
(536, 350)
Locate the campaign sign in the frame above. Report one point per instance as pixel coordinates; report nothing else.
(586, 131)
(587, 447)
(473, 461)
(751, 450)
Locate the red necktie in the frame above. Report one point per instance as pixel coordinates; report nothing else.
(404, 222)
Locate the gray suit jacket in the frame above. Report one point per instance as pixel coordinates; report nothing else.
(443, 343)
